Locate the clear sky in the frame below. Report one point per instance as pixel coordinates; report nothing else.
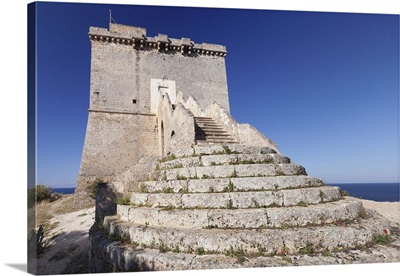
(323, 86)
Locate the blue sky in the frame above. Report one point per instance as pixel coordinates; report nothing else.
(323, 86)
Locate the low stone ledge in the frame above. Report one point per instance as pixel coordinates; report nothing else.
(224, 159)
(236, 184)
(241, 200)
(252, 170)
(267, 241)
(254, 218)
(111, 256)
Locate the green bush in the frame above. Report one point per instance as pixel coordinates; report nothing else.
(125, 200)
(38, 194)
(92, 187)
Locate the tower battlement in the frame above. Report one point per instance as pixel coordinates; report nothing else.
(136, 37)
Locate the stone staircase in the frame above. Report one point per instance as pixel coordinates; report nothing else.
(210, 132)
(234, 203)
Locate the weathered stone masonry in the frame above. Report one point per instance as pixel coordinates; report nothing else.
(121, 125)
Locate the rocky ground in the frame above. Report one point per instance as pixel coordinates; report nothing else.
(68, 249)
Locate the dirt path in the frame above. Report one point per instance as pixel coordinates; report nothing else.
(68, 250)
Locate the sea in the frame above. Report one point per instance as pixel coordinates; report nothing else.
(371, 191)
(65, 191)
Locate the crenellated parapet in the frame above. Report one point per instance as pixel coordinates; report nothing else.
(136, 37)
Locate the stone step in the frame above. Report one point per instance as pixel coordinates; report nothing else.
(225, 159)
(208, 125)
(203, 131)
(328, 213)
(221, 138)
(206, 149)
(242, 184)
(232, 171)
(130, 257)
(266, 241)
(212, 143)
(241, 200)
(214, 133)
(204, 119)
(210, 131)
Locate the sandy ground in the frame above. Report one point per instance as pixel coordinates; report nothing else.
(390, 210)
(68, 252)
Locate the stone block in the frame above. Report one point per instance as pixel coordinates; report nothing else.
(286, 182)
(240, 218)
(330, 193)
(176, 186)
(250, 149)
(221, 159)
(213, 262)
(123, 211)
(172, 261)
(144, 216)
(177, 218)
(209, 200)
(290, 169)
(184, 162)
(301, 196)
(253, 183)
(165, 200)
(214, 171)
(184, 152)
(207, 185)
(254, 170)
(139, 198)
(208, 150)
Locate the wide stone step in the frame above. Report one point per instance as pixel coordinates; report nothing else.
(214, 133)
(204, 119)
(203, 126)
(266, 241)
(233, 200)
(253, 170)
(242, 184)
(197, 150)
(212, 143)
(214, 138)
(202, 132)
(343, 210)
(225, 159)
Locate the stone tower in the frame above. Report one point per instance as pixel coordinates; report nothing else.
(128, 71)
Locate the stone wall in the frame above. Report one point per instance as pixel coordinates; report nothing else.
(113, 143)
(176, 126)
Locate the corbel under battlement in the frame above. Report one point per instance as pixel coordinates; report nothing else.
(136, 37)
